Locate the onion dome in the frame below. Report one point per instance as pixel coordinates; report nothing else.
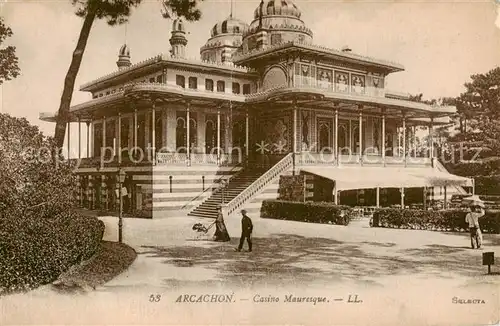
(123, 57)
(124, 51)
(230, 25)
(225, 37)
(277, 7)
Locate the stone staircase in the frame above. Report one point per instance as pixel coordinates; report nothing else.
(236, 185)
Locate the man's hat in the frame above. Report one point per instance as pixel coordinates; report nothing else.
(243, 211)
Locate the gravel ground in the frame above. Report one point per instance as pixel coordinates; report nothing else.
(400, 276)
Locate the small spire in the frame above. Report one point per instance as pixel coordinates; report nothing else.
(261, 12)
(124, 57)
(231, 14)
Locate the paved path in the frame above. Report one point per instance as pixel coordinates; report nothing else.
(388, 268)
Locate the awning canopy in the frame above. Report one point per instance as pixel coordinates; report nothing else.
(347, 178)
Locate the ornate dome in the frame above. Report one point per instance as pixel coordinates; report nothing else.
(230, 25)
(277, 7)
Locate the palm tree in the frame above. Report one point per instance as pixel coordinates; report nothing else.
(114, 12)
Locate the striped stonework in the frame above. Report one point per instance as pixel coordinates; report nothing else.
(159, 191)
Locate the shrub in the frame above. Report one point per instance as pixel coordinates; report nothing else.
(315, 212)
(448, 220)
(35, 251)
(35, 177)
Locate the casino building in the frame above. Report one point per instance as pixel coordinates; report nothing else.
(264, 100)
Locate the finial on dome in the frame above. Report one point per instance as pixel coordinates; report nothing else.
(124, 57)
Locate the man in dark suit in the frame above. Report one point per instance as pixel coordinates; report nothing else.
(246, 231)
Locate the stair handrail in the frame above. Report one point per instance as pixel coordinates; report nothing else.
(211, 187)
(256, 186)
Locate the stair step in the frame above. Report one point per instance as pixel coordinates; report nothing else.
(235, 186)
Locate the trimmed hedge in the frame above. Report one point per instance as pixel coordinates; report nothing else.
(449, 220)
(35, 251)
(314, 212)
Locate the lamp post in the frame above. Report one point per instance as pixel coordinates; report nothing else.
(121, 179)
(223, 186)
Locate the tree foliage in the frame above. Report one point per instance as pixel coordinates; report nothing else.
(478, 111)
(9, 67)
(33, 180)
(114, 12)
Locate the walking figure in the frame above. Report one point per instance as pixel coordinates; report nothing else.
(472, 218)
(246, 231)
(221, 233)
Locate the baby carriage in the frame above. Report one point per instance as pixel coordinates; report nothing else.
(201, 229)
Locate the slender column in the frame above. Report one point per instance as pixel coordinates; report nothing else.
(88, 139)
(69, 138)
(445, 198)
(378, 197)
(153, 132)
(119, 139)
(404, 138)
(135, 129)
(79, 138)
(350, 135)
(414, 141)
(335, 194)
(336, 144)
(103, 144)
(294, 133)
(383, 138)
(425, 198)
(92, 140)
(218, 136)
(431, 140)
(360, 137)
(188, 139)
(402, 198)
(246, 135)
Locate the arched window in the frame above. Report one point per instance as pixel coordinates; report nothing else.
(324, 137)
(210, 137)
(180, 135)
(224, 26)
(158, 132)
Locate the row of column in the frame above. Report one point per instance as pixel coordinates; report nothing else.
(153, 134)
(336, 128)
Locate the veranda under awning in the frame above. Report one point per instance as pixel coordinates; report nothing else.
(347, 178)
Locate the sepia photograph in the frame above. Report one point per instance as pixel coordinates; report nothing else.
(249, 162)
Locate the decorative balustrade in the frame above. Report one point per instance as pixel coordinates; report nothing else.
(171, 158)
(197, 159)
(330, 87)
(258, 185)
(308, 158)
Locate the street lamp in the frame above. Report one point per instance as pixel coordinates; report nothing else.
(223, 186)
(121, 180)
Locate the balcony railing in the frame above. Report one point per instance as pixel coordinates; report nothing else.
(309, 82)
(197, 159)
(308, 158)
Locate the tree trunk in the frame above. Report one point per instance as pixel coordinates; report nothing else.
(69, 81)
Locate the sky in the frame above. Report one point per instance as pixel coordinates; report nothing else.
(440, 43)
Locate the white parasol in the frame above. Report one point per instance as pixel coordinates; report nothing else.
(474, 200)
